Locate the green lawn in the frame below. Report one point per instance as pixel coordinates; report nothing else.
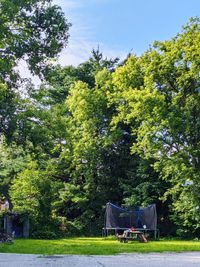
(96, 246)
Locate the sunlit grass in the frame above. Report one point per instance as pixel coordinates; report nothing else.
(96, 246)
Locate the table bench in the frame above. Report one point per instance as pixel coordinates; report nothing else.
(128, 235)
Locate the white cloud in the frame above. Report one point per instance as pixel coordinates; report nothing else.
(80, 51)
(81, 41)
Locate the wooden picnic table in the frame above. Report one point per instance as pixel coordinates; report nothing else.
(131, 235)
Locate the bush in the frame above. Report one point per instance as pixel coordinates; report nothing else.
(48, 231)
(44, 234)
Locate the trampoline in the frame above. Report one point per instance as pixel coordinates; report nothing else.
(118, 218)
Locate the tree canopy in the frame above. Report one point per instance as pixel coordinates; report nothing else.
(33, 30)
(125, 132)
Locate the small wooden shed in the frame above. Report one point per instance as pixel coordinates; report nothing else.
(16, 224)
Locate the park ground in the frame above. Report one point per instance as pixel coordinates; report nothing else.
(96, 246)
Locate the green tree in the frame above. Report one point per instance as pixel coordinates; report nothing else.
(61, 79)
(34, 191)
(98, 158)
(13, 159)
(33, 30)
(166, 109)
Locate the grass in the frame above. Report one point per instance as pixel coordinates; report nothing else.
(96, 246)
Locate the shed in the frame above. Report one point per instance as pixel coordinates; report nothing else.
(16, 224)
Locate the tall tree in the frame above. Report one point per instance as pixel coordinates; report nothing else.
(166, 109)
(34, 31)
(61, 78)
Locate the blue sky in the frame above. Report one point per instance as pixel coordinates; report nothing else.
(121, 25)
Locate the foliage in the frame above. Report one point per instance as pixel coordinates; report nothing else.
(36, 192)
(13, 159)
(165, 106)
(103, 131)
(33, 30)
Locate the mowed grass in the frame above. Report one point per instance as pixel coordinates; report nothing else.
(96, 246)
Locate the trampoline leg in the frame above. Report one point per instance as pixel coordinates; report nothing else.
(154, 234)
(158, 234)
(103, 233)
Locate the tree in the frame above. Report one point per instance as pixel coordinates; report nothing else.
(33, 30)
(34, 192)
(128, 134)
(13, 159)
(166, 108)
(98, 158)
(61, 79)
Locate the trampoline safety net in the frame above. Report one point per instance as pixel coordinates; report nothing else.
(117, 217)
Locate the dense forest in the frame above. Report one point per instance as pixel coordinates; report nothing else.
(124, 131)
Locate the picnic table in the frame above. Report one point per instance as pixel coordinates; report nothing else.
(131, 234)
